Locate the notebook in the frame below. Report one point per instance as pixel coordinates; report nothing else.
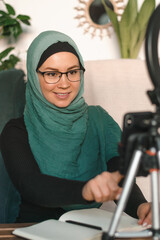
(85, 224)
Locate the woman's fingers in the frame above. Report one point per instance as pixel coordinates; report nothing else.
(117, 176)
(109, 186)
(144, 214)
(103, 187)
(95, 190)
(104, 190)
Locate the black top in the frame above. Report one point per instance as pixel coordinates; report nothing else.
(43, 195)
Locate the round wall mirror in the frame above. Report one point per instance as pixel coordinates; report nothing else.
(92, 16)
(97, 12)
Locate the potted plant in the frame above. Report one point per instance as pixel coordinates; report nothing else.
(131, 28)
(10, 29)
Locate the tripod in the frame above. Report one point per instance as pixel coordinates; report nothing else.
(147, 149)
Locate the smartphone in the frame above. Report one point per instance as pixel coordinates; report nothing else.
(136, 126)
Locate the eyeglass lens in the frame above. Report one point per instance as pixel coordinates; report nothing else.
(53, 77)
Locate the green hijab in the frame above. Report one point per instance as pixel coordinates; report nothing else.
(55, 134)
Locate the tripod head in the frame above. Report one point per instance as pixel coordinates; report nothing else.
(140, 130)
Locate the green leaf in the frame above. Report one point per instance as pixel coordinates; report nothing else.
(145, 12)
(134, 36)
(12, 30)
(14, 58)
(10, 21)
(6, 65)
(6, 31)
(124, 47)
(6, 52)
(113, 17)
(26, 22)
(128, 18)
(130, 13)
(16, 30)
(23, 17)
(138, 45)
(139, 27)
(2, 20)
(9, 63)
(10, 9)
(3, 13)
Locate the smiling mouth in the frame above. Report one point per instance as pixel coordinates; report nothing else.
(62, 95)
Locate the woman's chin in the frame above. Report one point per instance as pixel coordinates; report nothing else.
(61, 104)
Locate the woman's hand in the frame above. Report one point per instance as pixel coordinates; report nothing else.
(144, 214)
(103, 187)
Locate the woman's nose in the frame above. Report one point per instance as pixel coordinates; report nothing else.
(64, 82)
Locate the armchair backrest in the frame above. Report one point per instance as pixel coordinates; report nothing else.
(118, 85)
(12, 101)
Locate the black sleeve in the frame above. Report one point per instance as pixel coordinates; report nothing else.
(136, 196)
(33, 186)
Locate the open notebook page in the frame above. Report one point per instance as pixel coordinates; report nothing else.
(101, 218)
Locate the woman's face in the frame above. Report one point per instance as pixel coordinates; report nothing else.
(62, 93)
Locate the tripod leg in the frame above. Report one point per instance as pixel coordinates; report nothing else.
(155, 199)
(155, 203)
(127, 186)
(154, 172)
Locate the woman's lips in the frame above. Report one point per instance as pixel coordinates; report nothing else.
(62, 95)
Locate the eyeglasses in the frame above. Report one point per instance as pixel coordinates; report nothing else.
(52, 77)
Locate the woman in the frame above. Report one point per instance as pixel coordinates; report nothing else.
(62, 154)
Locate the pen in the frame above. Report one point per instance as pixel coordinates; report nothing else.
(84, 224)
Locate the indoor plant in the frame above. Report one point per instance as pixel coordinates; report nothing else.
(10, 29)
(131, 28)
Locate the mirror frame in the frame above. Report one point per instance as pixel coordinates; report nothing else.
(89, 25)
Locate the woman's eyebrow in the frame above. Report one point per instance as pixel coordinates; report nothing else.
(51, 68)
(74, 66)
(56, 69)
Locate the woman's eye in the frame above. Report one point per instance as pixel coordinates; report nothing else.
(51, 74)
(73, 72)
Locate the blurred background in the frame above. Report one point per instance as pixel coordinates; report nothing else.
(64, 15)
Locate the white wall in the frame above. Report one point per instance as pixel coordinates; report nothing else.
(59, 15)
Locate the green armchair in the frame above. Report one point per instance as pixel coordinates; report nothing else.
(12, 101)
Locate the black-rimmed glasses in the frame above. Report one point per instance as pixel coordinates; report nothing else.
(52, 77)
